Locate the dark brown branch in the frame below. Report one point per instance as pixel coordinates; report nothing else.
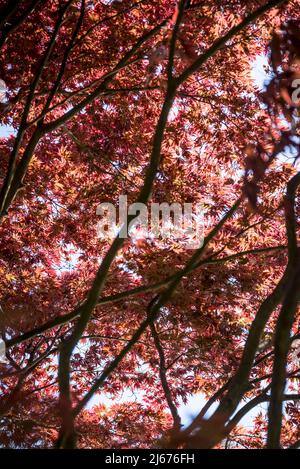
(163, 378)
(67, 433)
(253, 403)
(7, 194)
(238, 383)
(198, 420)
(223, 40)
(172, 49)
(8, 25)
(106, 19)
(14, 179)
(285, 320)
(127, 293)
(153, 311)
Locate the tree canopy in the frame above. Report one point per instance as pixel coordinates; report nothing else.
(154, 99)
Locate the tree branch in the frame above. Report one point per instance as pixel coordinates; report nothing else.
(285, 320)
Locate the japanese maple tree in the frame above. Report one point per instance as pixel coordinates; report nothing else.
(154, 99)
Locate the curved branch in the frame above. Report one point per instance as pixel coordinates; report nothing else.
(285, 320)
(163, 378)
